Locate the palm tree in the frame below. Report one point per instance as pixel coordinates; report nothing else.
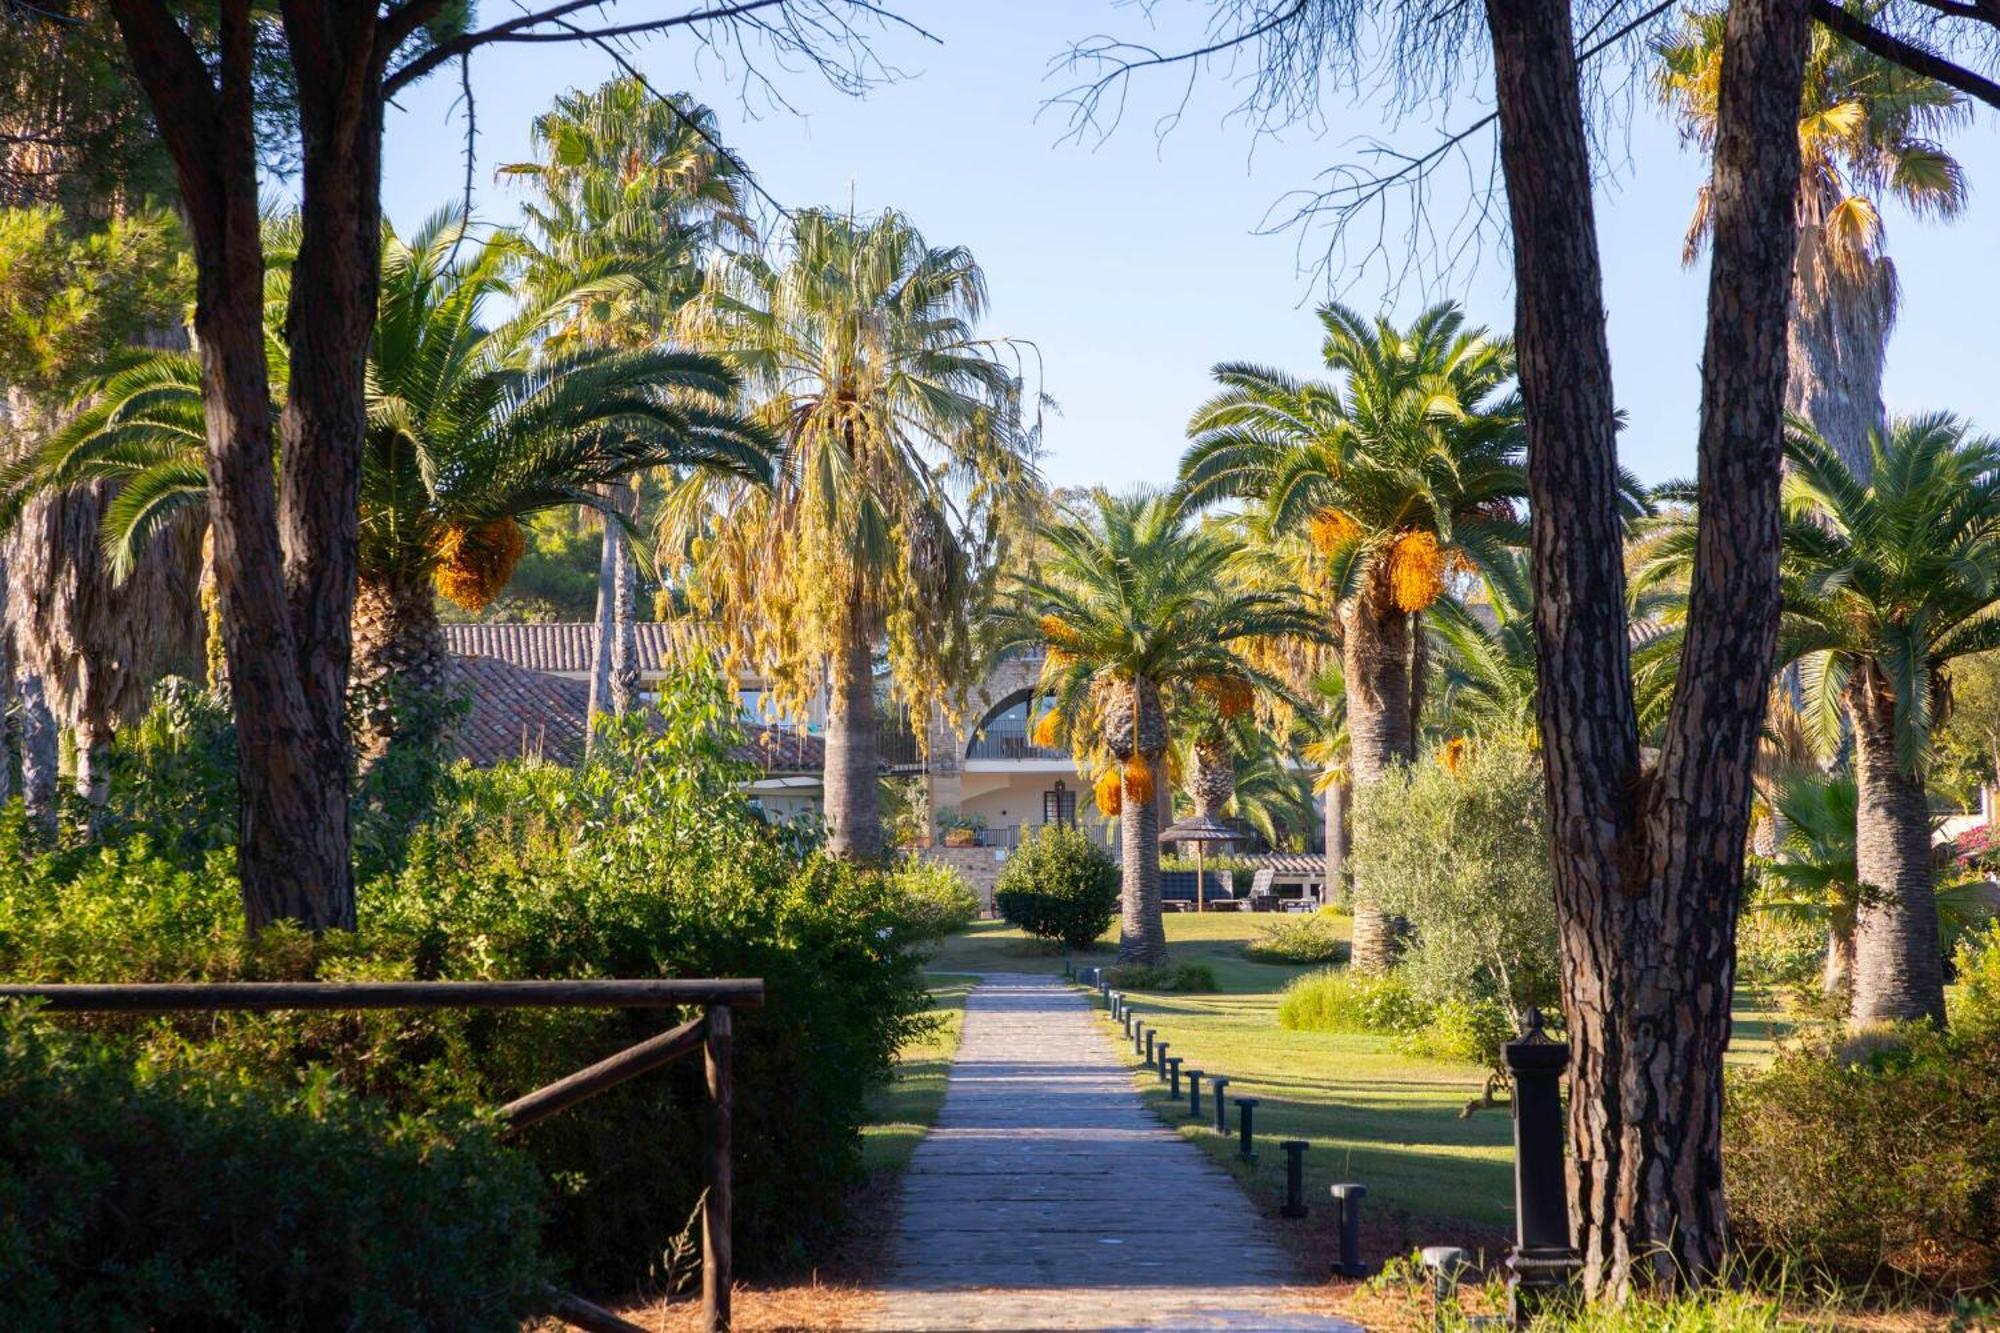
(1814, 875)
(1867, 132)
(904, 455)
(1885, 584)
(629, 182)
(1137, 614)
(1403, 474)
(469, 430)
(1486, 652)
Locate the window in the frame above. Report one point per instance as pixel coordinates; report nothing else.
(1059, 805)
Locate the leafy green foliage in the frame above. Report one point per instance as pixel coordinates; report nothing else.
(1059, 885)
(1462, 853)
(1975, 1008)
(71, 305)
(646, 862)
(163, 1195)
(1185, 978)
(934, 899)
(1301, 938)
(1468, 1031)
(1882, 1156)
(1340, 1001)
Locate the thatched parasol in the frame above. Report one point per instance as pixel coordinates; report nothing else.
(1201, 830)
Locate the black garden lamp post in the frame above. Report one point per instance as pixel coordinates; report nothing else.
(1543, 1266)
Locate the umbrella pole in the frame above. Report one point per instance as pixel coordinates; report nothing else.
(1200, 865)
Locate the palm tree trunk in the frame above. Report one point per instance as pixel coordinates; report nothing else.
(399, 664)
(625, 631)
(93, 767)
(1837, 977)
(1376, 663)
(40, 754)
(610, 556)
(852, 775)
(1142, 934)
(1898, 966)
(1336, 842)
(1836, 339)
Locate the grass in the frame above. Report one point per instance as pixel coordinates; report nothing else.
(902, 1111)
(1369, 1112)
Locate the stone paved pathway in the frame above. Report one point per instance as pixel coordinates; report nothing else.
(1047, 1197)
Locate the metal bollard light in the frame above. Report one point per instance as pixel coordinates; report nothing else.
(1160, 1061)
(1151, 1033)
(1446, 1263)
(1174, 1078)
(1246, 1111)
(1295, 1177)
(1216, 1085)
(1543, 1266)
(1194, 1093)
(1117, 1002)
(1125, 1017)
(1138, 1036)
(1347, 1198)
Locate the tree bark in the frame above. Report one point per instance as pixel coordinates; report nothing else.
(285, 571)
(625, 636)
(1648, 864)
(1838, 338)
(1898, 966)
(1375, 651)
(852, 777)
(39, 754)
(608, 554)
(1142, 933)
(1836, 979)
(93, 769)
(1337, 797)
(399, 664)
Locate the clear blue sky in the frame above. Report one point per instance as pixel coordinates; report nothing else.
(1133, 264)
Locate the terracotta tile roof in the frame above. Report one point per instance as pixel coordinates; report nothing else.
(562, 646)
(514, 713)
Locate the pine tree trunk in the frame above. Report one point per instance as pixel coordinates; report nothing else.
(287, 562)
(399, 665)
(1648, 859)
(852, 777)
(1376, 664)
(1898, 968)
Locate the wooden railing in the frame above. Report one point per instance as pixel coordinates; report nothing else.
(712, 1034)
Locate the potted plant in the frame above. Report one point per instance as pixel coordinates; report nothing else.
(960, 829)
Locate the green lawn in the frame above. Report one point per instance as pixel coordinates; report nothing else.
(1370, 1113)
(901, 1111)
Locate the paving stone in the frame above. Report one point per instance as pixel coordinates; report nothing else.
(1046, 1196)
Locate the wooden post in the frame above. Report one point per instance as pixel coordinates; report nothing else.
(717, 1270)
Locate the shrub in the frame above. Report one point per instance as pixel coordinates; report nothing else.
(1059, 885)
(1463, 855)
(1975, 1008)
(934, 899)
(1873, 1156)
(1188, 978)
(1340, 1001)
(648, 861)
(1303, 938)
(1466, 1031)
(141, 1197)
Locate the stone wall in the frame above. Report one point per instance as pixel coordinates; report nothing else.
(979, 865)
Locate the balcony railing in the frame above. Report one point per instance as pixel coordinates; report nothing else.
(1010, 742)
